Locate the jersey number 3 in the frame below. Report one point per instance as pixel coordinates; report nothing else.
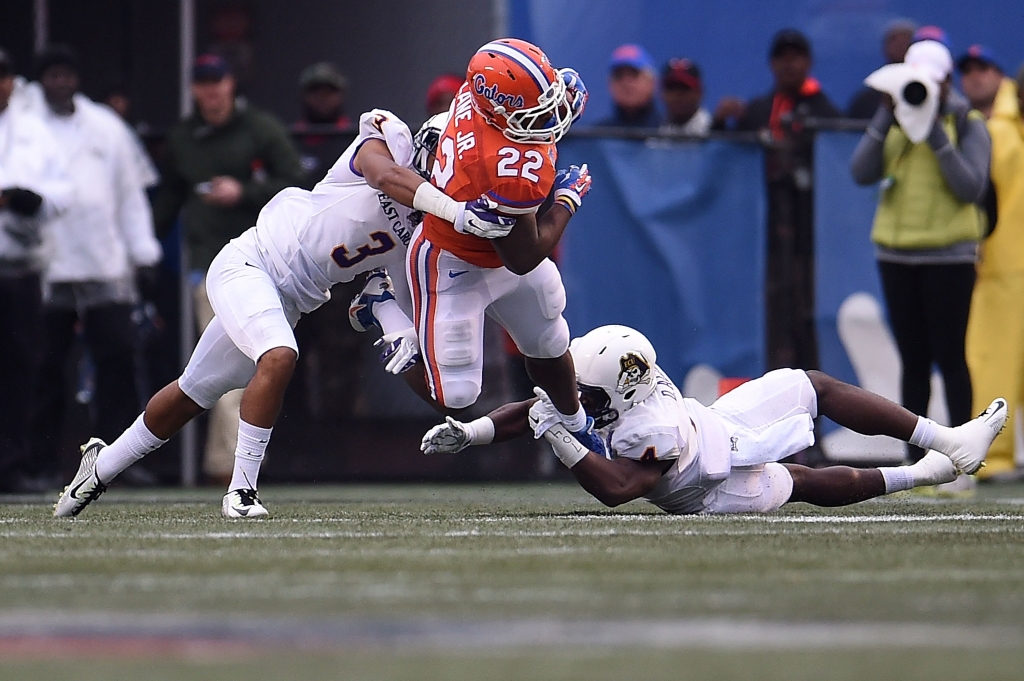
(383, 241)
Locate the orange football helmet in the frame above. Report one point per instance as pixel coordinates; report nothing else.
(515, 89)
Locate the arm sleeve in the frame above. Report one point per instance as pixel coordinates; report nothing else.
(281, 165)
(866, 162)
(965, 168)
(134, 215)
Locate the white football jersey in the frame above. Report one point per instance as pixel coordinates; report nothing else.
(667, 426)
(310, 240)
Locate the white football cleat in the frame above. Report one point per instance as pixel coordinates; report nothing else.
(85, 487)
(975, 437)
(242, 503)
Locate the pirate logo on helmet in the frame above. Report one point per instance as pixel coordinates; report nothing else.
(634, 369)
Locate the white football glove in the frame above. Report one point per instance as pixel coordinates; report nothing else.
(542, 414)
(449, 437)
(480, 218)
(399, 350)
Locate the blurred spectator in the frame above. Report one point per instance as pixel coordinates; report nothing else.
(932, 33)
(895, 40)
(323, 116)
(34, 187)
(224, 162)
(441, 92)
(96, 249)
(632, 84)
(995, 331)
(120, 102)
(780, 116)
(981, 77)
(926, 232)
(682, 91)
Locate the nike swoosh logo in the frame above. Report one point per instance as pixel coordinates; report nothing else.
(242, 511)
(75, 489)
(452, 275)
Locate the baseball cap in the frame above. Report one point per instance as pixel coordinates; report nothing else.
(789, 38)
(932, 33)
(931, 58)
(631, 55)
(681, 73)
(210, 67)
(56, 55)
(447, 84)
(978, 53)
(322, 73)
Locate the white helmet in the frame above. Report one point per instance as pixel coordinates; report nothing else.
(614, 370)
(424, 144)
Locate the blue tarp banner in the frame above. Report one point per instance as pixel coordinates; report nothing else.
(844, 255)
(670, 241)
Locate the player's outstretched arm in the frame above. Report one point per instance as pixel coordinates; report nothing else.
(375, 163)
(610, 481)
(507, 422)
(616, 481)
(378, 168)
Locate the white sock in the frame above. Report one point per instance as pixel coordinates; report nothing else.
(132, 445)
(390, 316)
(252, 445)
(924, 433)
(897, 478)
(574, 423)
(945, 439)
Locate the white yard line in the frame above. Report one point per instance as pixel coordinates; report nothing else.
(438, 633)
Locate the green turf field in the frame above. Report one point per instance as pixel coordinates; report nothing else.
(499, 581)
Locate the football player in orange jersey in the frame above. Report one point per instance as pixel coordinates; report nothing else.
(498, 152)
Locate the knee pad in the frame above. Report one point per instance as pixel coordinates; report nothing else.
(551, 296)
(552, 342)
(458, 343)
(460, 394)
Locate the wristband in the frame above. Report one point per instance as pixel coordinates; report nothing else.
(568, 450)
(567, 203)
(480, 431)
(430, 199)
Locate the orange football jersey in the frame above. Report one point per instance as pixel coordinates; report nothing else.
(473, 159)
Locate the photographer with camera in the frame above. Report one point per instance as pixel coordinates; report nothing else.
(930, 154)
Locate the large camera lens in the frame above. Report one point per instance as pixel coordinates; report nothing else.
(914, 93)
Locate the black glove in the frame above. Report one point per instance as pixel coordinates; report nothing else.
(22, 201)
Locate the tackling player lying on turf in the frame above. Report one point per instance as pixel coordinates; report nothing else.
(499, 147)
(684, 457)
(359, 217)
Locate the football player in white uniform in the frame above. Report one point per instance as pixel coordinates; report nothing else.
(684, 457)
(361, 216)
